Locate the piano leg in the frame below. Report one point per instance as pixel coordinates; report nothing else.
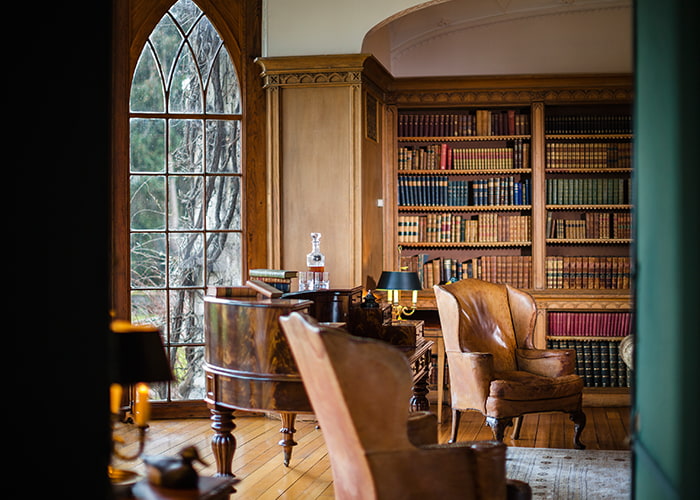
(223, 444)
(288, 431)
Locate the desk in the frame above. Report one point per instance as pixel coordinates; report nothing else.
(435, 334)
(420, 358)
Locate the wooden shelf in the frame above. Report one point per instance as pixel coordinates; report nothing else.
(588, 241)
(466, 244)
(463, 138)
(588, 136)
(587, 170)
(465, 171)
(588, 207)
(462, 208)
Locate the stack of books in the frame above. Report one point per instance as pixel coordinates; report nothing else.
(279, 278)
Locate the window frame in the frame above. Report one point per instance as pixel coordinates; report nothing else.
(239, 25)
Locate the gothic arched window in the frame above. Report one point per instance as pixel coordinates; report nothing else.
(185, 186)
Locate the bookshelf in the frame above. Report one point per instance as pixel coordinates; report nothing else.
(520, 180)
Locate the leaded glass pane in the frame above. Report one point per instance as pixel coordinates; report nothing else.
(186, 13)
(223, 146)
(185, 200)
(147, 202)
(186, 316)
(148, 257)
(223, 90)
(223, 259)
(185, 88)
(223, 202)
(187, 363)
(186, 147)
(205, 42)
(166, 39)
(186, 259)
(147, 145)
(147, 87)
(148, 307)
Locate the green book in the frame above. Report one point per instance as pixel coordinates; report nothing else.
(272, 273)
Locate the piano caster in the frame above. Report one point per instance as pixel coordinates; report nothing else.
(288, 430)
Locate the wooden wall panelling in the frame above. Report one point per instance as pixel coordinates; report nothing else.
(325, 171)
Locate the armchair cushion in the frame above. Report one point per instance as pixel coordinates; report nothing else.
(524, 386)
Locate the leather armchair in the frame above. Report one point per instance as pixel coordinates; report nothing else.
(493, 364)
(359, 389)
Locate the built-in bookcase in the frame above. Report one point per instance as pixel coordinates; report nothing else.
(522, 180)
(465, 194)
(588, 201)
(596, 337)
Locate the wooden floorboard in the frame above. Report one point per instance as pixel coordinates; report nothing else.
(258, 460)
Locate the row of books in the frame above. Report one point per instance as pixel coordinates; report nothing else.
(588, 155)
(598, 362)
(593, 272)
(456, 228)
(588, 191)
(279, 278)
(446, 157)
(593, 225)
(588, 124)
(512, 269)
(440, 190)
(479, 123)
(589, 324)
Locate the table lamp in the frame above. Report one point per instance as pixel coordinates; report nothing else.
(137, 358)
(395, 281)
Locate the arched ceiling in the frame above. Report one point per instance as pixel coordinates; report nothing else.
(490, 37)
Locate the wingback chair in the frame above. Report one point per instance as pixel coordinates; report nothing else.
(493, 364)
(359, 390)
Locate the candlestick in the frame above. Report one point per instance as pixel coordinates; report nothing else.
(142, 407)
(115, 397)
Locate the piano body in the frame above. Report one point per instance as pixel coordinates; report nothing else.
(248, 364)
(247, 361)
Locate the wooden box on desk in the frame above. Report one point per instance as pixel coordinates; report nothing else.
(403, 333)
(369, 321)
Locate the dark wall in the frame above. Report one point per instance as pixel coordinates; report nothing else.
(61, 245)
(666, 137)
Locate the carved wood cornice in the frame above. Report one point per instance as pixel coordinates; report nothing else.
(333, 70)
(511, 90)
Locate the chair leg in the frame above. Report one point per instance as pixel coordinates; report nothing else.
(456, 415)
(516, 427)
(498, 426)
(579, 420)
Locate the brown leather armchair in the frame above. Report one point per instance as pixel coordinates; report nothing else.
(493, 364)
(359, 390)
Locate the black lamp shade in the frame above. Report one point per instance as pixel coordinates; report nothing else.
(137, 355)
(399, 280)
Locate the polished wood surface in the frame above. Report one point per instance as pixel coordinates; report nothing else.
(262, 476)
(249, 366)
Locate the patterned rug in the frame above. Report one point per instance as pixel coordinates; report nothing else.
(555, 474)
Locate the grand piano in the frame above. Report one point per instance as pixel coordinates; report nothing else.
(249, 366)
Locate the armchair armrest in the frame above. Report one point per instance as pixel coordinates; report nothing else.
(470, 377)
(547, 362)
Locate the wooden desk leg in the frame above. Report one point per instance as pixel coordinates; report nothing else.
(288, 431)
(419, 401)
(440, 377)
(223, 444)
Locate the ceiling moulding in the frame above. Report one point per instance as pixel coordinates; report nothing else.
(448, 29)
